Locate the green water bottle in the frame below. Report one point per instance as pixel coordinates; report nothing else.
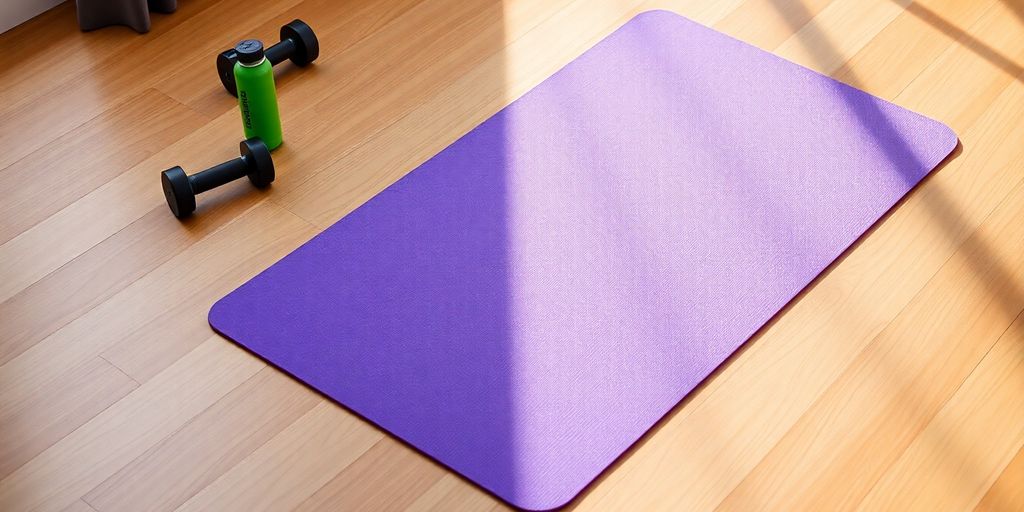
(257, 98)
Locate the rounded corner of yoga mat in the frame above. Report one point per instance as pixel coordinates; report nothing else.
(527, 303)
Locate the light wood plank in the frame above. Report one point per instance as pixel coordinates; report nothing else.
(31, 426)
(388, 476)
(187, 461)
(98, 449)
(187, 285)
(110, 208)
(958, 456)
(79, 506)
(42, 183)
(31, 69)
(110, 267)
(899, 382)
(292, 465)
(452, 494)
(768, 23)
(1006, 493)
(897, 69)
(997, 28)
(838, 32)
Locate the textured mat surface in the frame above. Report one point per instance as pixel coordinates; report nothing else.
(527, 303)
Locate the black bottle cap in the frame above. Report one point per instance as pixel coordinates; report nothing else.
(249, 51)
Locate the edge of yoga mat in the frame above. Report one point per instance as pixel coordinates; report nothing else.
(564, 499)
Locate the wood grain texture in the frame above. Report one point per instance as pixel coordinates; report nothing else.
(293, 465)
(990, 408)
(388, 476)
(39, 184)
(211, 443)
(31, 426)
(893, 382)
(79, 506)
(1006, 493)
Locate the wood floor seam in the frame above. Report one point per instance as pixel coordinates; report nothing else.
(181, 427)
(938, 410)
(119, 369)
(58, 440)
(127, 286)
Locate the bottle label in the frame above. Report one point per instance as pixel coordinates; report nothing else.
(243, 100)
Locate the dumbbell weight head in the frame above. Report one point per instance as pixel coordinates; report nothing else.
(298, 44)
(180, 189)
(307, 47)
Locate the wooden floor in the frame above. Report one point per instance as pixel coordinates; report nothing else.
(895, 382)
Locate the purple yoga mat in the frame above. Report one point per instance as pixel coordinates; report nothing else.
(527, 303)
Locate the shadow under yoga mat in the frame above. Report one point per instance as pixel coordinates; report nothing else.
(527, 303)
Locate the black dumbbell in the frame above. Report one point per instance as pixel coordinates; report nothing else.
(180, 189)
(298, 43)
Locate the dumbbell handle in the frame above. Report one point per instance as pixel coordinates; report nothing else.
(280, 52)
(218, 175)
